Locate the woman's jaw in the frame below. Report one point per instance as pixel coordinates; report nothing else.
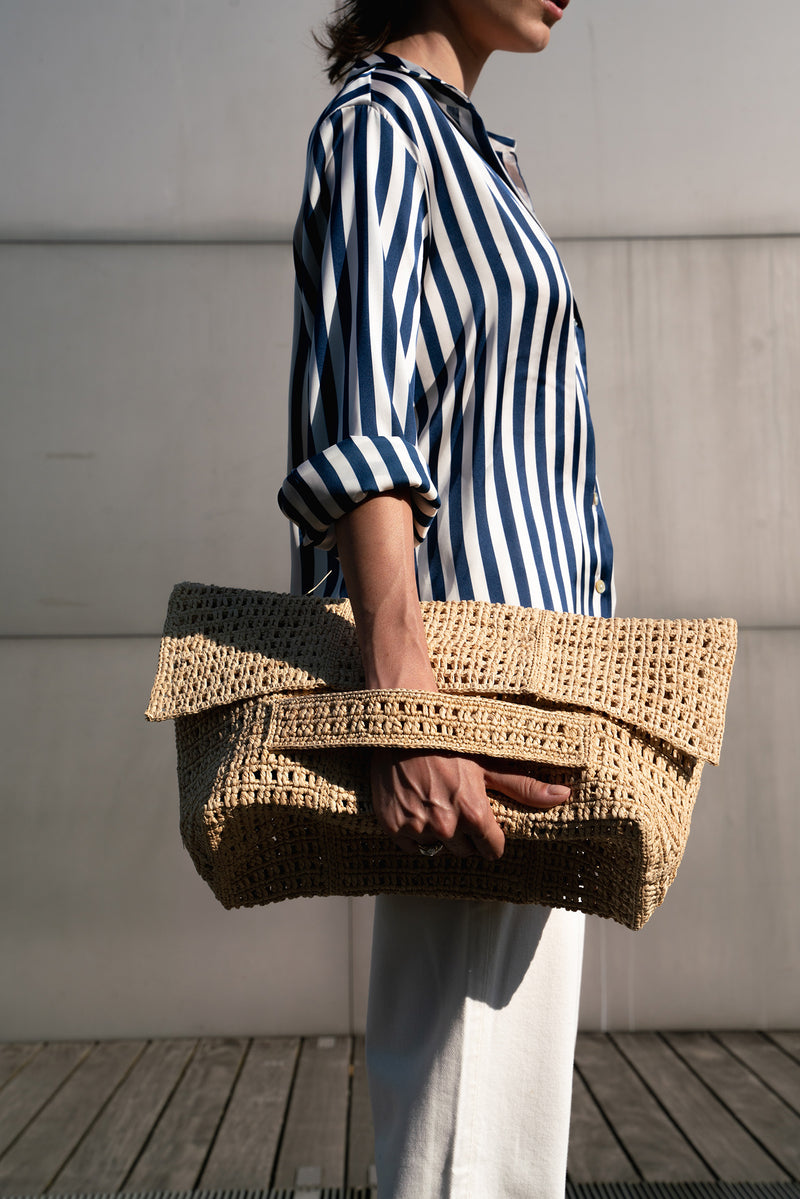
(453, 38)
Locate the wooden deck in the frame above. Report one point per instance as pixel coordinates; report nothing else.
(237, 1113)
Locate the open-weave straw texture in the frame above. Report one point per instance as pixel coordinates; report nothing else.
(274, 730)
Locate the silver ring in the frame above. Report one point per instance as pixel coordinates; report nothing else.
(430, 851)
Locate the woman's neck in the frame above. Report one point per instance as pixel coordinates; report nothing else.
(441, 49)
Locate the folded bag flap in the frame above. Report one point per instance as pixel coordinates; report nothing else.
(669, 678)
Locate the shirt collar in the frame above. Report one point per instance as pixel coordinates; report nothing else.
(461, 111)
(381, 59)
(455, 103)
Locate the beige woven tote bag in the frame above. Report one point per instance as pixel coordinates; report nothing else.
(273, 733)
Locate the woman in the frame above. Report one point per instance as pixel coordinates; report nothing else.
(441, 448)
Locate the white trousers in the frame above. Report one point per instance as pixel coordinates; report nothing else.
(473, 1011)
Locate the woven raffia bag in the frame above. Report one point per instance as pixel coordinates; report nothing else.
(273, 732)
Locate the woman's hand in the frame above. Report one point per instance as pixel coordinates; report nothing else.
(428, 798)
(420, 798)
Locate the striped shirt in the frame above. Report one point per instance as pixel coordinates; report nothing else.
(437, 347)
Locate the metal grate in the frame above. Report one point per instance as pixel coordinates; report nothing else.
(683, 1190)
(280, 1193)
(590, 1190)
(291, 1193)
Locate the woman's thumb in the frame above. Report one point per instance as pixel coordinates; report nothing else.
(522, 788)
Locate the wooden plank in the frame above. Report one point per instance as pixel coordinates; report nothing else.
(771, 1064)
(29, 1090)
(173, 1158)
(766, 1116)
(360, 1133)
(789, 1042)
(108, 1151)
(13, 1056)
(595, 1154)
(312, 1151)
(717, 1136)
(35, 1158)
(656, 1147)
(243, 1154)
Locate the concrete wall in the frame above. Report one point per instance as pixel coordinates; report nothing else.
(188, 118)
(151, 159)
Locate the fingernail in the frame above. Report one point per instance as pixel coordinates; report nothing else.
(557, 792)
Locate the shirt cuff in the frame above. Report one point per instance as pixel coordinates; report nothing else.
(330, 484)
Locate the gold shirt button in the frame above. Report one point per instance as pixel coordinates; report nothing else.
(595, 499)
(599, 586)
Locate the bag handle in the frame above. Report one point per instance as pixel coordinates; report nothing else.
(430, 720)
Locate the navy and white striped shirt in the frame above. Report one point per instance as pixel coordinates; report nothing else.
(437, 347)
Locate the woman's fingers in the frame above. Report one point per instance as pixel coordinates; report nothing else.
(406, 844)
(491, 843)
(424, 798)
(427, 798)
(461, 846)
(506, 778)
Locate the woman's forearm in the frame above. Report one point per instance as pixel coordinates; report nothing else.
(376, 549)
(419, 798)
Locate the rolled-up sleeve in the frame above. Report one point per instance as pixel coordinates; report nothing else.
(359, 250)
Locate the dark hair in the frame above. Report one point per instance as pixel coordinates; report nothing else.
(359, 27)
